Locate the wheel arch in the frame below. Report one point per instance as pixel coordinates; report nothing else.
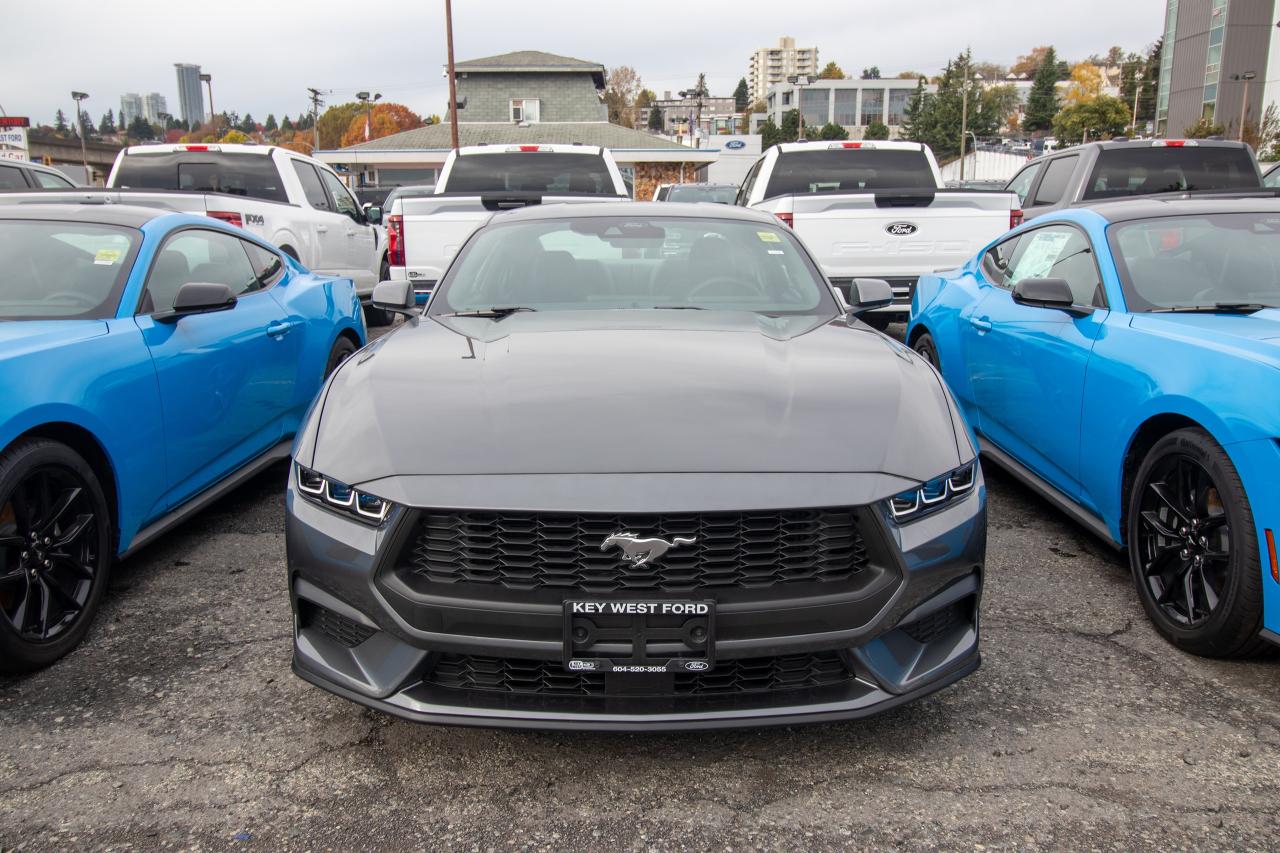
(91, 449)
(1143, 439)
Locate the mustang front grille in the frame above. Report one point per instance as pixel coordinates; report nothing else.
(732, 550)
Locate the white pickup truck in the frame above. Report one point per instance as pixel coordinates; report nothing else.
(425, 232)
(286, 198)
(876, 210)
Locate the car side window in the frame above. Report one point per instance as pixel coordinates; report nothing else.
(342, 197)
(995, 263)
(195, 255)
(748, 184)
(1021, 183)
(51, 181)
(267, 265)
(11, 178)
(1059, 251)
(311, 186)
(1057, 174)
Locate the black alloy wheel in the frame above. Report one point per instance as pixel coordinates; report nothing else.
(54, 552)
(1193, 547)
(342, 349)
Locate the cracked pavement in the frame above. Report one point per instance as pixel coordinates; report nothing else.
(178, 725)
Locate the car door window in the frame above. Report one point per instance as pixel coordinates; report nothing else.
(1057, 174)
(11, 178)
(1059, 251)
(51, 181)
(346, 203)
(311, 186)
(744, 194)
(203, 256)
(267, 265)
(1021, 183)
(995, 263)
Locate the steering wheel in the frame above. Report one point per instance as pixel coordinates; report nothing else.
(74, 296)
(736, 284)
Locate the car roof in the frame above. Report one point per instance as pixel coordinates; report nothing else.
(705, 185)
(657, 210)
(1149, 207)
(1116, 144)
(132, 216)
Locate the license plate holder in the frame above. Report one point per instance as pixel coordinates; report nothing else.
(639, 636)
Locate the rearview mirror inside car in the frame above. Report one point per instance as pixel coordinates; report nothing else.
(197, 297)
(867, 294)
(395, 296)
(1045, 293)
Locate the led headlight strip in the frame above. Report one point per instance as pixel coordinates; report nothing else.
(935, 494)
(340, 497)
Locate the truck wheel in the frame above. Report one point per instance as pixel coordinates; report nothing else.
(1193, 548)
(55, 552)
(879, 322)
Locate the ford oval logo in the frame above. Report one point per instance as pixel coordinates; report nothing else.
(901, 229)
(696, 665)
(735, 144)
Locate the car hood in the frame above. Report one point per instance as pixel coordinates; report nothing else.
(1255, 336)
(20, 337)
(634, 392)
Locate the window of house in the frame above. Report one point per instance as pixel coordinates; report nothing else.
(899, 100)
(524, 109)
(872, 106)
(814, 104)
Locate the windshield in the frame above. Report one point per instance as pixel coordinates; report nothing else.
(849, 169)
(530, 172)
(252, 175)
(1143, 171)
(716, 195)
(641, 262)
(62, 270)
(1197, 261)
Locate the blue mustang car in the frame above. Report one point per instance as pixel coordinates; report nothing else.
(1122, 360)
(149, 362)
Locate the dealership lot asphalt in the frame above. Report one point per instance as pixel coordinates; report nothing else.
(179, 725)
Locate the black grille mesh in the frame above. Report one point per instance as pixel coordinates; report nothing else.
(337, 627)
(744, 550)
(929, 628)
(548, 678)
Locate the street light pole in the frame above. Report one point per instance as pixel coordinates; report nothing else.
(1244, 98)
(964, 119)
(207, 79)
(1137, 90)
(78, 97)
(800, 81)
(453, 83)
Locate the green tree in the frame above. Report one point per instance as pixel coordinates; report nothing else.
(334, 123)
(918, 115)
(936, 119)
(141, 129)
(270, 125)
(876, 130)
(286, 126)
(60, 124)
(790, 130)
(741, 95)
(872, 73)
(1141, 70)
(770, 134)
(655, 118)
(1100, 118)
(1001, 102)
(1203, 129)
(108, 123)
(831, 130)
(248, 125)
(1042, 102)
(831, 71)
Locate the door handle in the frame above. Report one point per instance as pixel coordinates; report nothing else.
(351, 232)
(278, 329)
(322, 229)
(982, 324)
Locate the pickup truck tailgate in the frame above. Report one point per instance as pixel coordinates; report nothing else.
(883, 235)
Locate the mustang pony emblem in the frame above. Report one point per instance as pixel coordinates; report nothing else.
(637, 551)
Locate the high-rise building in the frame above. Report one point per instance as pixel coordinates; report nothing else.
(190, 97)
(770, 65)
(130, 108)
(1215, 64)
(154, 106)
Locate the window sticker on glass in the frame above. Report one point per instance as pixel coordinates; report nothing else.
(108, 256)
(768, 237)
(1040, 255)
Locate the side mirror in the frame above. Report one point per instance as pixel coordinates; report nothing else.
(395, 296)
(197, 297)
(373, 214)
(1045, 293)
(867, 294)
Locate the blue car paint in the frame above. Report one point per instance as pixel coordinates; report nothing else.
(176, 408)
(1086, 386)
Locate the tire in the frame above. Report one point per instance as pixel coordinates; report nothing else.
(36, 476)
(879, 322)
(342, 349)
(379, 316)
(1199, 577)
(927, 349)
(291, 252)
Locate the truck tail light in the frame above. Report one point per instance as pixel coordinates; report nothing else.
(1016, 218)
(395, 241)
(788, 219)
(230, 217)
(1174, 143)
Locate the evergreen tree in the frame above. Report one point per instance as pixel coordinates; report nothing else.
(108, 124)
(741, 95)
(248, 125)
(286, 126)
(87, 127)
(770, 135)
(140, 129)
(655, 118)
(936, 120)
(60, 124)
(876, 130)
(1042, 102)
(270, 124)
(872, 73)
(917, 114)
(831, 130)
(790, 130)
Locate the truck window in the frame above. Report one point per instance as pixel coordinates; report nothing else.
(749, 183)
(1145, 170)
(341, 197)
(530, 171)
(1021, 183)
(11, 178)
(250, 175)
(1057, 174)
(849, 169)
(311, 186)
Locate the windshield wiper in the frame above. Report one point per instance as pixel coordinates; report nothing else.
(1215, 308)
(678, 308)
(495, 313)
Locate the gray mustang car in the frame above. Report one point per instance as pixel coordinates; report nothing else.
(636, 466)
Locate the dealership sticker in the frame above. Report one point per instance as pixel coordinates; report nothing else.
(768, 237)
(108, 256)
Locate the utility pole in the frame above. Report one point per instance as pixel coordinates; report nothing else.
(453, 83)
(697, 94)
(1244, 99)
(799, 81)
(964, 119)
(78, 97)
(207, 79)
(1137, 90)
(316, 103)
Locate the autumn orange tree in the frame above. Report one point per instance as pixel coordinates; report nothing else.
(385, 120)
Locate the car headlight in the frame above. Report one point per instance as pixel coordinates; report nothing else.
(934, 495)
(340, 497)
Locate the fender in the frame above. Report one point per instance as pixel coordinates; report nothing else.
(300, 243)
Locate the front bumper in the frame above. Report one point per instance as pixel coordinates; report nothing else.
(908, 628)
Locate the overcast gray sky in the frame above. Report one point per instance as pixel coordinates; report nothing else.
(264, 53)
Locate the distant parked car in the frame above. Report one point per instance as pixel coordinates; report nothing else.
(714, 193)
(28, 176)
(1121, 359)
(149, 362)
(1271, 177)
(1121, 168)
